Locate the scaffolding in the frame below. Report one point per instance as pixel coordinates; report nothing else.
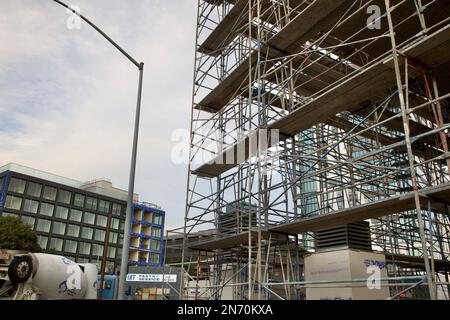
(310, 114)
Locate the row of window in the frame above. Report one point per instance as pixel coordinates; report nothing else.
(50, 210)
(153, 232)
(146, 257)
(150, 218)
(143, 243)
(70, 246)
(62, 196)
(70, 230)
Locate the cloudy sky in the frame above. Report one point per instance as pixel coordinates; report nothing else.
(67, 97)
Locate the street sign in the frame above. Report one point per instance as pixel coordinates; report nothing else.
(151, 277)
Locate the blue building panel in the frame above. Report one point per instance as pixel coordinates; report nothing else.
(144, 228)
(4, 189)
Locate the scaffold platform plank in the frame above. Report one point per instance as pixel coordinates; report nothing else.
(233, 241)
(304, 26)
(439, 195)
(369, 83)
(236, 20)
(415, 262)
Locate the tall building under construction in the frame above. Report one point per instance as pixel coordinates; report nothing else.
(319, 151)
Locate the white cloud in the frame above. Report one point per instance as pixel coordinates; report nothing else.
(68, 97)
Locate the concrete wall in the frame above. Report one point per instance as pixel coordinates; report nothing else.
(343, 264)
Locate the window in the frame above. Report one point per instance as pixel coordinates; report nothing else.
(115, 223)
(59, 228)
(89, 218)
(56, 244)
(103, 206)
(62, 212)
(34, 189)
(102, 221)
(78, 200)
(91, 203)
(97, 250)
(75, 215)
(157, 219)
(156, 245)
(116, 209)
(64, 196)
(43, 225)
(30, 206)
(13, 202)
(112, 252)
(100, 235)
(17, 185)
(154, 258)
(46, 209)
(84, 248)
(87, 233)
(1, 183)
(73, 230)
(71, 246)
(113, 237)
(120, 239)
(49, 193)
(42, 241)
(9, 214)
(156, 232)
(28, 220)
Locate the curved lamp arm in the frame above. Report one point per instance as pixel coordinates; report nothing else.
(137, 64)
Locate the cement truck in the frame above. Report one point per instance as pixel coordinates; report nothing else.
(40, 276)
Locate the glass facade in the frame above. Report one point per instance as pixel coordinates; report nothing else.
(28, 220)
(75, 215)
(85, 248)
(64, 196)
(31, 206)
(73, 230)
(46, 209)
(13, 202)
(62, 212)
(89, 218)
(70, 221)
(56, 244)
(59, 228)
(91, 203)
(102, 221)
(34, 189)
(17, 185)
(43, 225)
(78, 200)
(87, 233)
(49, 193)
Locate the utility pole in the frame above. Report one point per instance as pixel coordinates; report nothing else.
(140, 66)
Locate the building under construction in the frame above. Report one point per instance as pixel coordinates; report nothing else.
(319, 138)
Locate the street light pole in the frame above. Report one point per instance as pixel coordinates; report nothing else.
(126, 238)
(126, 235)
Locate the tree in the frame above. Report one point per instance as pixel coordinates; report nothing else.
(16, 235)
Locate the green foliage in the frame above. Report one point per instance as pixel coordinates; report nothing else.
(16, 235)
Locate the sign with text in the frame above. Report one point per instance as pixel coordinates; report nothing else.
(151, 277)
